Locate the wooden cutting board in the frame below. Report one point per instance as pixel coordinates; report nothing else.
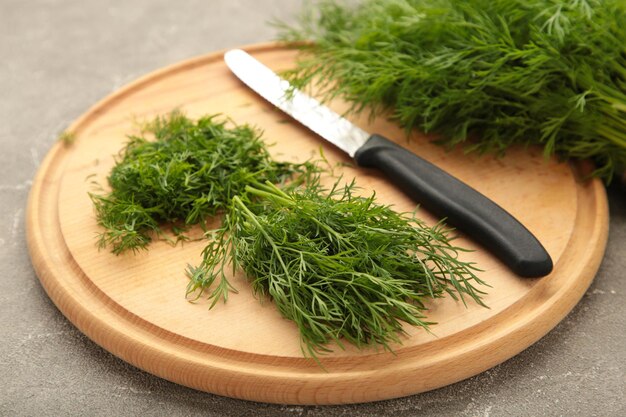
(134, 305)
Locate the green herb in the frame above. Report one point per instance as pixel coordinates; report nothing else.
(68, 138)
(501, 72)
(187, 172)
(342, 267)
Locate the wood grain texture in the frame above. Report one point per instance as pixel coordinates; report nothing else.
(134, 305)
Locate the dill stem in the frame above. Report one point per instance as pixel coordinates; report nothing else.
(260, 193)
(251, 216)
(615, 136)
(612, 126)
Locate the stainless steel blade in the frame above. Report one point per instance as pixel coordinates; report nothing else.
(305, 109)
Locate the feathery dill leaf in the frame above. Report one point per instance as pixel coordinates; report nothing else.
(486, 73)
(342, 267)
(179, 171)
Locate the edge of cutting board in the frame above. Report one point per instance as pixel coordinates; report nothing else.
(294, 380)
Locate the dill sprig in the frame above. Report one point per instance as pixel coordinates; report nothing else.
(342, 267)
(496, 72)
(181, 172)
(67, 138)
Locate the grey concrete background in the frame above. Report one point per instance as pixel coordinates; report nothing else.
(57, 59)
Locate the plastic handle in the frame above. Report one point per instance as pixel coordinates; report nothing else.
(462, 206)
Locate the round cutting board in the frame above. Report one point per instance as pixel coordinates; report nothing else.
(134, 305)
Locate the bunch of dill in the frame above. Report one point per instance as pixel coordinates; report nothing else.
(180, 172)
(342, 267)
(496, 72)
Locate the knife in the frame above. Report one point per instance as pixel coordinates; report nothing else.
(439, 192)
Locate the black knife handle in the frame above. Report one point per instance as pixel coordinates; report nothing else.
(462, 206)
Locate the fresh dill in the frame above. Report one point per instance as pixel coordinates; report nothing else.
(486, 73)
(342, 267)
(180, 172)
(67, 138)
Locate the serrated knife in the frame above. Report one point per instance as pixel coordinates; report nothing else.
(436, 190)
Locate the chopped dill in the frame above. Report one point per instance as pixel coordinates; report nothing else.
(181, 172)
(68, 138)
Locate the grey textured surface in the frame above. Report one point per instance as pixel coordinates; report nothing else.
(58, 58)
